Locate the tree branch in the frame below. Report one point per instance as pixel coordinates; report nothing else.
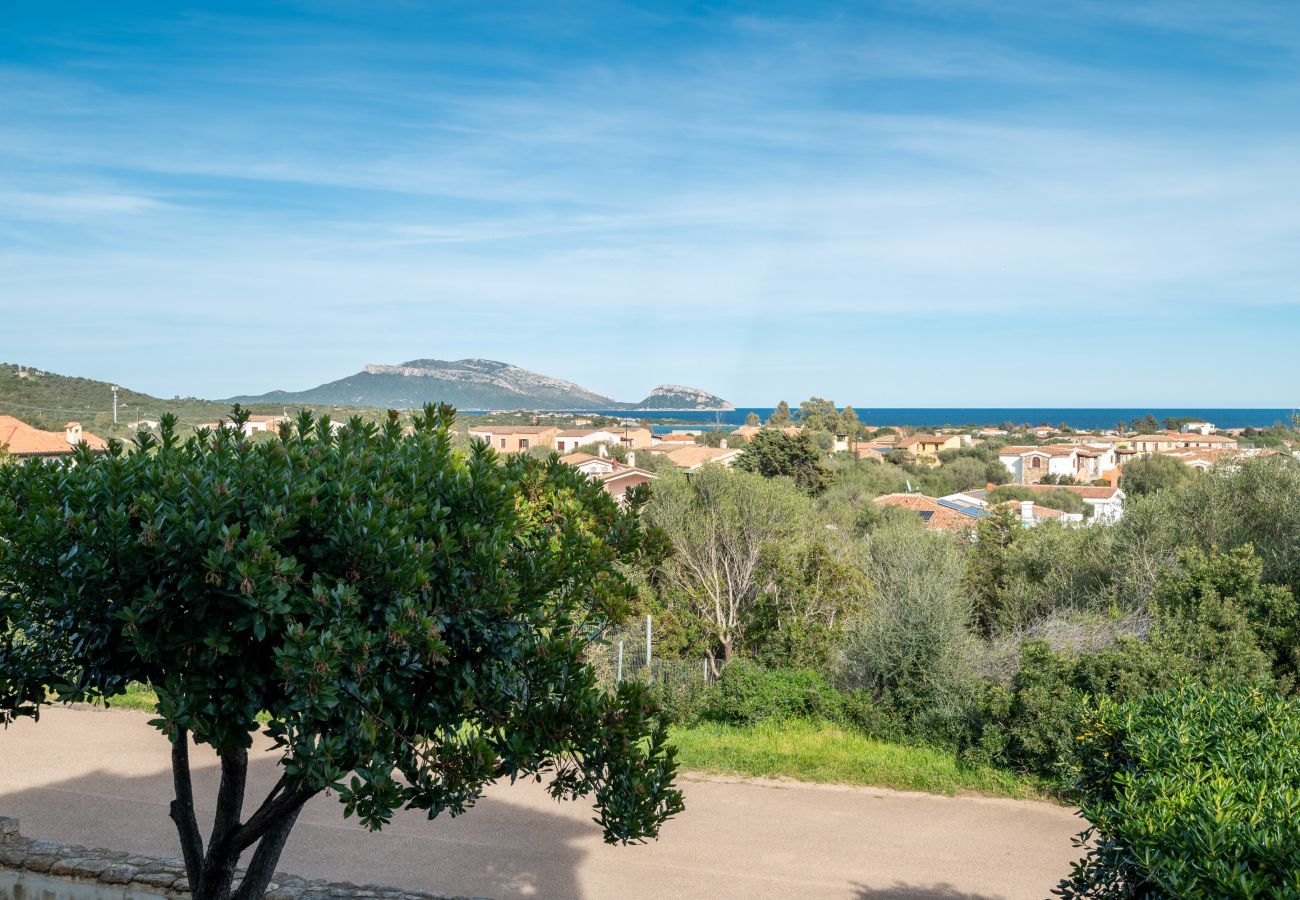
(182, 808)
(272, 811)
(262, 867)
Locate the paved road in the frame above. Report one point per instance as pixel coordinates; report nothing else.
(101, 778)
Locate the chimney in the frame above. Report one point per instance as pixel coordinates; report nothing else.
(723, 445)
(1027, 510)
(631, 458)
(73, 432)
(602, 451)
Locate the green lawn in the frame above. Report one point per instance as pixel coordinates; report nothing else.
(807, 751)
(804, 751)
(137, 696)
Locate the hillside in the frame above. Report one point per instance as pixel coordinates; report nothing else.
(477, 384)
(48, 400)
(676, 397)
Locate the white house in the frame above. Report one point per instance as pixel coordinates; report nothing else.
(1198, 428)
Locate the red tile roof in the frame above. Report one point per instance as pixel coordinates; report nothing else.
(941, 517)
(22, 439)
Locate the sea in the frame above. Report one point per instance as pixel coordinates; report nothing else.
(936, 417)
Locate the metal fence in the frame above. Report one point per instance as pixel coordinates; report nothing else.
(628, 653)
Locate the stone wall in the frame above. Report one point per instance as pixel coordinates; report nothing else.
(52, 870)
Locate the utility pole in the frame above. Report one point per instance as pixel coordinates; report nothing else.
(114, 406)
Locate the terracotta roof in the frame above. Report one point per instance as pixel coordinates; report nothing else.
(690, 456)
(577, 459)
(933, 513)
(925, 439)
(1040, 512)
(1086, 491)
(512, 429)
(624, 472)
(1046, 450)
(1176, 438)
(22, 439)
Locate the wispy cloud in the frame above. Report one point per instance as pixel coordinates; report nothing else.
(729, 188)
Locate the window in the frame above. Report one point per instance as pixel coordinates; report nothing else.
(503, 443)
(523, 443)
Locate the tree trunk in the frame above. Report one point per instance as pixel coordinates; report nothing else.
(212, 873)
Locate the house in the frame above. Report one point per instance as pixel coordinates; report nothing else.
(1147, 444)
(144, 424)
(1031, 514)
(1029, 465)
(617, 478)
(1107, 502)
(691, 456)
(1198, 428)
(515, 438)
(940, 514)
(871, 449)
(254, 425)
(260, 424)
(745, 433)
(675, 439)
(22, 441)
(569, 439)
(928, 444)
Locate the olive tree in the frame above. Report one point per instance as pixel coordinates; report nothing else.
(403, 622)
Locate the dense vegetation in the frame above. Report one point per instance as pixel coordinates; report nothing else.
(997, 649)
(403, 622)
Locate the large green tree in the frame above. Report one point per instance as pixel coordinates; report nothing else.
(404, 622)
(723, 527)
(780, 416)
(1152, 474)
(775, 454)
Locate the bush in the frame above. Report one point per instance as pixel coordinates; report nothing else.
(746, 693)
(1193, 793)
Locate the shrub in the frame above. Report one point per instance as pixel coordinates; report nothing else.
(1193, 793)
(746, 693)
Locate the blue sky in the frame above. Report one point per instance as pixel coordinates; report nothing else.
(928, 203)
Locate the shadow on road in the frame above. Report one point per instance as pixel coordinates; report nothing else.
(917, 892)
(497, 849)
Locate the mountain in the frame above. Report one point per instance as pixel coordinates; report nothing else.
(477, 384)
(676, 397)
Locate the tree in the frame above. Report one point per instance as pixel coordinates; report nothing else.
(1234, 578)
(1152, 474)
(906, 644)
(720, 524)
(987, 570)
(712, 437)
(780, 416)
(752, 420)
(819, 415)
(1147, 424)
(775, 454)
(849, 424)
(405, 623)
(966, 472)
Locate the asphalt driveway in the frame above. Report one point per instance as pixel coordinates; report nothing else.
(102, 778)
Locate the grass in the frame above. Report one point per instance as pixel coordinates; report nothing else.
(804, 751)
(137, 696)
(828, 754)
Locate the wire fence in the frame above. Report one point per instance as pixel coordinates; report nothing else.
(628, 653)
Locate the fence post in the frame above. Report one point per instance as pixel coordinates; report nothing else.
(647, 643)
(706, 668)
(619, 678)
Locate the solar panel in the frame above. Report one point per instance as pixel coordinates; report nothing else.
(925, 514)
(965, 509)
